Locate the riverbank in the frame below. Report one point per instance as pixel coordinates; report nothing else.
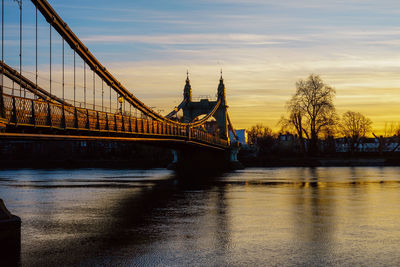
(321, 161)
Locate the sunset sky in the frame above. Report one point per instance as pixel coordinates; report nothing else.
(263, 48)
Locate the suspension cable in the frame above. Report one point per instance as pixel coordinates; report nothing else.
(50, 57)
(94, 90)
(63, 77)
(102, 95)
(20, 44)
(232, 128)
(74, 78)
(36, 49)
(2, 43)
(204, 119)
(117, 96)
(84, 84)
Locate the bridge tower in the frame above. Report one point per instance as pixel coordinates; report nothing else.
(192, 109)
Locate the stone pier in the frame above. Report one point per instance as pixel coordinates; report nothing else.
(10, 236)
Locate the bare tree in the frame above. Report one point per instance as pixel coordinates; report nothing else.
(258, 132)
(294, 122)
(354, 127)
(311, 109)
(262, 139)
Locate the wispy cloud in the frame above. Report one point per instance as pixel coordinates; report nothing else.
(184, 39)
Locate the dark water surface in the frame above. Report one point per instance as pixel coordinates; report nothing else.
(270, 216)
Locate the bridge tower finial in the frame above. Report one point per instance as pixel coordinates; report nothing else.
(221, 88)
(187, 91)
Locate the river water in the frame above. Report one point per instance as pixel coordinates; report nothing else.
(261, 216)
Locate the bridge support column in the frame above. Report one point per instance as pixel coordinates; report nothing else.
(233, 154)
(175, 156)
(193, 163)
(10, 236)
(201, 163)
(234, 163)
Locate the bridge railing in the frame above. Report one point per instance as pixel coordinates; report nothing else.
(38, 113)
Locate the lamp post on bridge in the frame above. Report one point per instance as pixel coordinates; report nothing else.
(120, 101)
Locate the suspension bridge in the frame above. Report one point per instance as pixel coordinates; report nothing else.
(73, 96)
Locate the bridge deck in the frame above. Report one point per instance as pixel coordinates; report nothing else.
(28, 118)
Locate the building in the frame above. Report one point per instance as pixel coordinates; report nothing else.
(242, 135)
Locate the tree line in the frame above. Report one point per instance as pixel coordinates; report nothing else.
(311, 117)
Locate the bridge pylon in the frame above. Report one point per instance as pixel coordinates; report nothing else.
(193, 109)
(191, 162)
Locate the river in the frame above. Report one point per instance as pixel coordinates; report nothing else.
(258, 216)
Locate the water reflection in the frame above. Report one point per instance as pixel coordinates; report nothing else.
(282, 216)
(314, 218)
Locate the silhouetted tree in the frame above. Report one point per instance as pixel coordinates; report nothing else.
(354, 127)
(262, 139)
(258, 132)
(311, 110)
(294, 122)
(329, 135)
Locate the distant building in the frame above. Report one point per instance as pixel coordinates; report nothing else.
(287, 137)
(242, 135)
(369, 145)
(287, 141)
